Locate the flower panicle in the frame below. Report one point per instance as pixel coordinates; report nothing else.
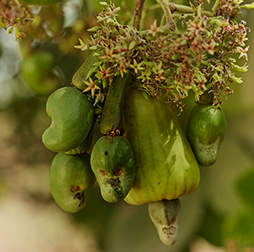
(14, 16)
(200, 58)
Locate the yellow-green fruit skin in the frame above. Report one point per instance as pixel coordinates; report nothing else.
(165, 165)
(69, 177)
(72, 117)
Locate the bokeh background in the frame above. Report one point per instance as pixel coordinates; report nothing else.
(218, 217)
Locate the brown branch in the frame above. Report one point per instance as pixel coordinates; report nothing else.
(138, 13)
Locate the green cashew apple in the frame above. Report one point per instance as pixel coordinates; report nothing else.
(165, 215)
(72, 117)
(69, 177)
(165, 164)
(205, 131)
(36, 70)
(112, 162)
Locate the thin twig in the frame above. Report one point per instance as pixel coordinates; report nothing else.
(178, 9)
(138, 13)
(165, 6)
(217, 2)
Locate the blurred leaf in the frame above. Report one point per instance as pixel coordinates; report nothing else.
(211, 227)
(245, 187)
(240, 228)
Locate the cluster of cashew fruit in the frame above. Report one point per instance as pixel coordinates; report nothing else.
(142, 155)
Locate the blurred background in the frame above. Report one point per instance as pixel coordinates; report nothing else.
(218, 217)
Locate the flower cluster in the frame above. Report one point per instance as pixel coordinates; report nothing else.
(229, 8)
(199, 56)
(203, 57)
(13, 15)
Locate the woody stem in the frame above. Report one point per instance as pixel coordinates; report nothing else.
(138, 13)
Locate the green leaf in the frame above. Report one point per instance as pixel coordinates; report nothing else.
(94, 29)
(240, 228)
(103, 3)
(247, 6)
(238, 80)
(199, 10)
(92, 71)
(245, 187)
(132, 45)
(210, 227)
(145, 95)
(243, 68)
(150, 64)
(94, 48)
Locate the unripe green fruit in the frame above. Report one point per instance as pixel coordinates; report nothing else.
(84, 146)
(69, 177)
(113, 164)
(36, 69)
(205, 131)
(72, 117)
(165, 165)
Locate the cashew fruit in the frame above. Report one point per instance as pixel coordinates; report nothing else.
(165, 165)
(84, 72)
(72, 117)
(69, 177)
(113, 111)
(205, 131)
(37, 72)
(165, 215)
(112, 162)
(85, 145)
(82, 148)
